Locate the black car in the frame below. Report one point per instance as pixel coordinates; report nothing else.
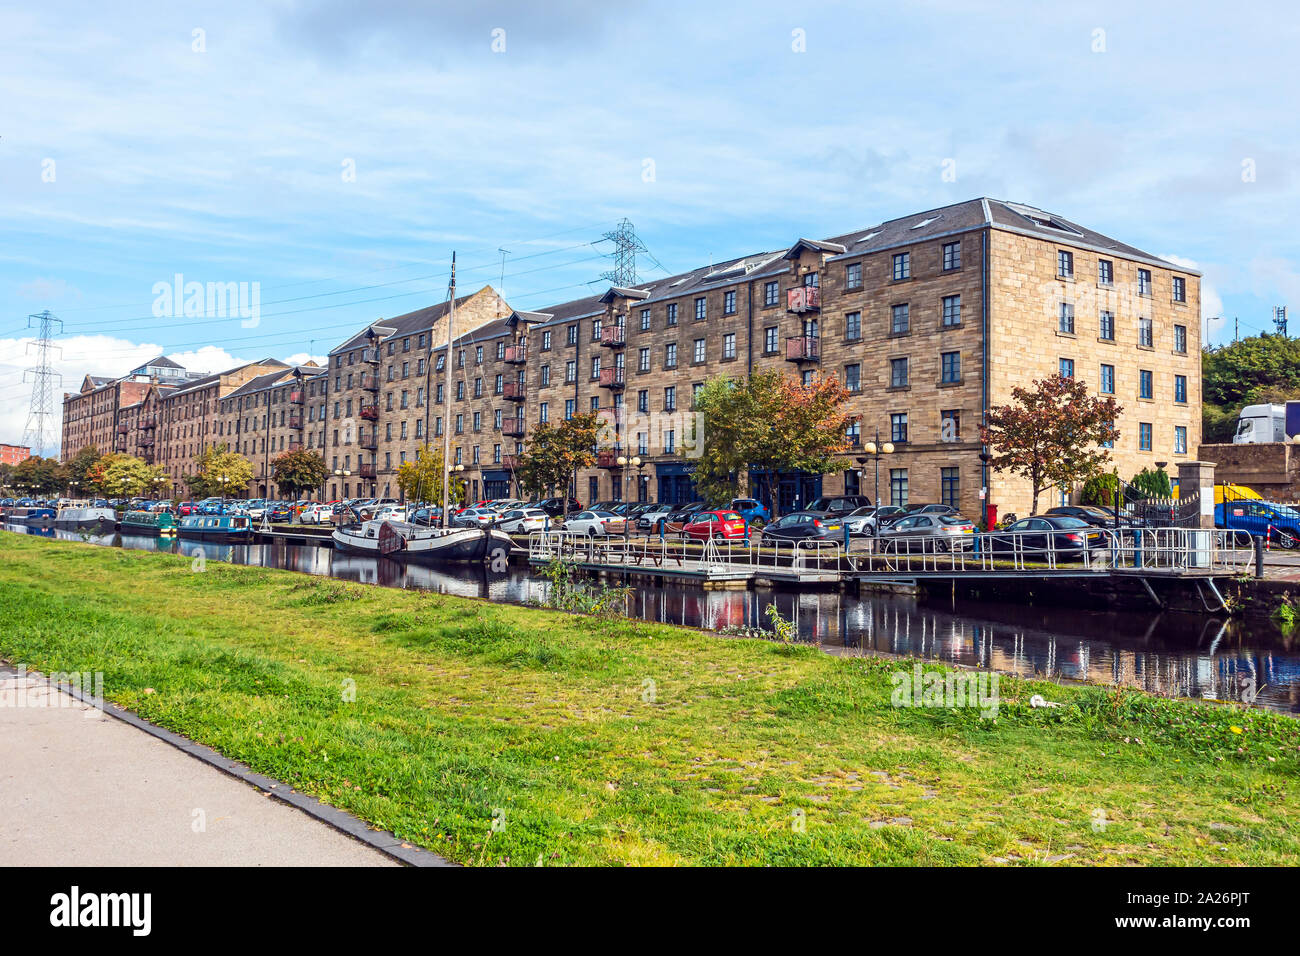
(1098, 517)
(556, 507)
(837, 506)
(1064, 537)
(799, 525)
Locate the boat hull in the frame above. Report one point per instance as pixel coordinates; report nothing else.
(216, 534)
(420, 544)
(86, 519)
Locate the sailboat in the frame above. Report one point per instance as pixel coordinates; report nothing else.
(405, 541)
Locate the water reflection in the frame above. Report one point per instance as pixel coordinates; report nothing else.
(1184, 655)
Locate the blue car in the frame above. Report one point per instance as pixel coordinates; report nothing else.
(751, 510)
(1281, 523)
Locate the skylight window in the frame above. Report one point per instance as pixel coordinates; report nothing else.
(927, 221)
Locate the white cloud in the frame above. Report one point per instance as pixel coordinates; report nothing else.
(1211, 301)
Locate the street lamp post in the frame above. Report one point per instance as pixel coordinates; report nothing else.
(221, 484)
(342, 472)
(446, 512)
(623, 461)
(875, 450)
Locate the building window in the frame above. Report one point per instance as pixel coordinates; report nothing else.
(1108, 380)
(1144, 282)
(645, 320)
(570, 406)
(729, 345)
(900, 321)
(1106, 326)
(769, 340)
(496, 419)
(595, 367)
(1067, 368)
(1146, 333)
(1066, 323)
(643, 401)
(902, 265)
(1105, 272)
(571, 335)
(478, 355)
(853, 275)
(699, 351)
(1180, 439)
(951, 310)
(478, 421)
(898, 373)
(853, 325)
(672, 313)
(501, 349)
(546, 375)
(950, 425)
(701, 309)
(771, 293)
(544, 412)
(1144, 436)
(1065, 264)
(898, 427)
(951, 256)
(570, 372)
(670, 398)
(670, 442)
(729, 302)
(949, 486)
(898, 487)
(951, 367)
(546, 341)
(1180, 339)
(670, 355)
(1180, 388)
(643, 360)
(1146, 388)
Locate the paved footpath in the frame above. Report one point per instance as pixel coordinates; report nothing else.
(81, 788)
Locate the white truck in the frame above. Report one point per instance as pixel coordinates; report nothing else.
(1267, 423)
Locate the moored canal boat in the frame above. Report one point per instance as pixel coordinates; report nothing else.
(403, 541)
(149, 523)
(32, 517)
(86, 518)
(234, 529)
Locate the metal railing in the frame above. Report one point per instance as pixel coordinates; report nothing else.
(1159, 550)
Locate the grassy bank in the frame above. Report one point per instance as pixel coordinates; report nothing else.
(595, 741)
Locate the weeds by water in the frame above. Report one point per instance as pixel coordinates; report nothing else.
(567, 593)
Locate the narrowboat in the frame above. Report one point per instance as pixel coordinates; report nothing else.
(231, 528)
(86, 518)
(32, 517)
(408, 542)
(148, 522)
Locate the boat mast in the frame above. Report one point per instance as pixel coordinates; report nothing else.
(446, 395)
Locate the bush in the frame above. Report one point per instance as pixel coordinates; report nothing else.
(1152, 484)
(1100, 490)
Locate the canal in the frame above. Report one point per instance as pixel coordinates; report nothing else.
(1169, 654)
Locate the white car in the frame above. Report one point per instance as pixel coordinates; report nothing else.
(593, 522)
(390, 513)
(520, 520)
(317, 514)
(650, 519)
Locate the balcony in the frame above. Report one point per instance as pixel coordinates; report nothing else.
(149, 422)
(294, 445)
(369, 443)
(295, 420)
(120, 446)
(122, 429)
(370, 381)
(804, 298)
(297, 396)
(146, 441)
(516, 354)
(514, 427)
(515, 391)
(614, 336)
(366, 470)
(370, 356)
(803, 348)
(607, 459)
(611, 377)
(370, 413)
(510, 462)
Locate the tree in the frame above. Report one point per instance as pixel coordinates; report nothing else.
(214, 463)
(298, 471)
(768, 423)
(421, 479)
(94, 479)
(1259, 370)
(556, 452)
(40, 476)
(80, 464)
(1152, 483)
(1052, 434)
(127, 477)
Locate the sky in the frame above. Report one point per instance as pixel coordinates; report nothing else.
(331, 155)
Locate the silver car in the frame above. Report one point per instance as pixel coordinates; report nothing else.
(520, 520)
(950, 533)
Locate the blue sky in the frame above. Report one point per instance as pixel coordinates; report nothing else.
(214, 141)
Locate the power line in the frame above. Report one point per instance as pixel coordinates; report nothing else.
(40, 416)
(626, 246)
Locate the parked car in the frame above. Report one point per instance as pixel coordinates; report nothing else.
(255, 508)
(837, 505)
(1098, 517)
(186, 508)
(862, 522)
(799, 525)
(522, 520)
(718, 525)
(559, 507)
(476, 518)
(595, 522)
(280, 511)
(316, 514)
(652, 517)
(675, 520)
(751, 510)
(429, 517)
(950, 532)
(1037, 535)
(1281, 523)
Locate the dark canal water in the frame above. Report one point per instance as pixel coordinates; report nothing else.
(1182, 655)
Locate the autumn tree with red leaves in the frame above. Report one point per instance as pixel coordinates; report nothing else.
(1052, 434)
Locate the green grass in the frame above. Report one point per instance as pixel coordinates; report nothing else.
(747, 752)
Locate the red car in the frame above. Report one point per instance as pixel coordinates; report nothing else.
(187, 508)
(718, 525)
